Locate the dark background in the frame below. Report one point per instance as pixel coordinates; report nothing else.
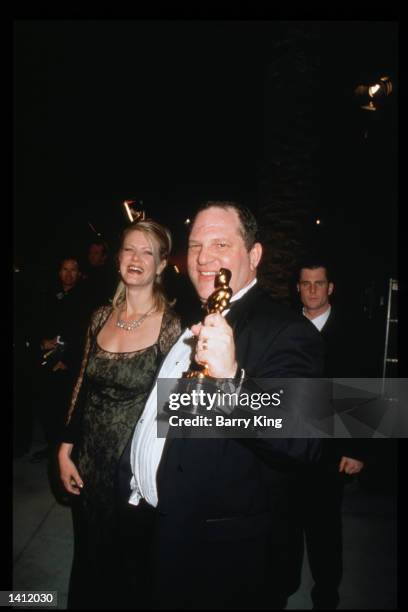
(171, 112)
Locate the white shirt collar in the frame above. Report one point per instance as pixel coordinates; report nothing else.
(239, 294)
(321, 320)
(243, 291)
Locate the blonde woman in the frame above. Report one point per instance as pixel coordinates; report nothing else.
(125, 344)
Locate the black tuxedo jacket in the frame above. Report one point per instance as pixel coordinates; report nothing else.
(348, 345)
(340, 350)
(344, 344)
(220, 499)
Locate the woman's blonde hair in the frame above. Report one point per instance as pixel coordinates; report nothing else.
(161, 238)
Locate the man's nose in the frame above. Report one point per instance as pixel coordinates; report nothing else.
(204, 256)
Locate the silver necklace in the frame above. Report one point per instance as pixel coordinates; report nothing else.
(131, 325)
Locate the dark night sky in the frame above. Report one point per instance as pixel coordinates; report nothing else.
(109, 110)
(171, 111)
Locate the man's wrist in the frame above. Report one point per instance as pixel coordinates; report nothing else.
(231, 385)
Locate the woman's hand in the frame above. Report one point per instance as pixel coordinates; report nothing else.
(68, 472)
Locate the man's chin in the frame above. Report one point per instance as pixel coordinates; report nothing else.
(205, 291)
(204, 297)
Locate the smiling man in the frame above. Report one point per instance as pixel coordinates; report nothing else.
(206, 515)
(222, 236)
(218, 240)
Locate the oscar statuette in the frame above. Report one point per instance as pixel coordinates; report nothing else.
(218, 301)
(196, 381)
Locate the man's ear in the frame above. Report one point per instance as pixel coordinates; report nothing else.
(255, 255)
(298, 287)
(331, 288)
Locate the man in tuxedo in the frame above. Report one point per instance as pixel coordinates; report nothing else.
(340, 330)
(208, 516)
(318, 493)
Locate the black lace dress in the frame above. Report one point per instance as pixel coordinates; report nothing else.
(107, 402)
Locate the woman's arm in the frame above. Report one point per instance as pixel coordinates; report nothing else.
(72, 421)
(68, 472)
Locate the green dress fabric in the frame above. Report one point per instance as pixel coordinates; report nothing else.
(107, 401)
(118, 386)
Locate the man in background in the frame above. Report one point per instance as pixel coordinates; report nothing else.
(99, 275)
(318, 492)
(59, 334)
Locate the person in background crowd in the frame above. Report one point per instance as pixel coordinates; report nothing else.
(60, 334)
(99, 277)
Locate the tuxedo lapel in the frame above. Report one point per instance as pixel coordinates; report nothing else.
(240, 310)
(328, 326)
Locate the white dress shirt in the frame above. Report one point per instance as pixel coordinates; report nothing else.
(321, 320)
(147, 448)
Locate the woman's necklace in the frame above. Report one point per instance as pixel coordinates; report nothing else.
(131, 325)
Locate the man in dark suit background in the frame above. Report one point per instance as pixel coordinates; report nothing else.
(99, 276)
(341, 327)
(208, 516)
(59, 333)
(318, 493)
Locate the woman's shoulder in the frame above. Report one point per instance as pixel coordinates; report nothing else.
(170, 329)
(171, 320)
(170, 314)
(99, 316)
